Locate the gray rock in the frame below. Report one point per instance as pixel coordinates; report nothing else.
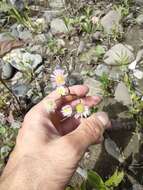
(138, 2)
(19, 4)
(111, 21)
(38, 49)
(23, 60)
(5, 36)
(51, 14)
(139, 19)
(122, 94)
(134, 37)
(20, 90)
(137, 187)
(94, 86)
(25, 34)
(18, 77)
(133, 146)
(58, 26)
(7, 71)
(57, 4)
(19, 31)
(102, 69)
(75, 79)
(41, 38)
(96, 36)
(81, 47)
(113, 150)
(119, 55)
(116, 73)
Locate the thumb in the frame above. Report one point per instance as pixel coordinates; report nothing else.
(90, 131)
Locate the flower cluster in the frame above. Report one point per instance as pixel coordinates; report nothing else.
(58, 79)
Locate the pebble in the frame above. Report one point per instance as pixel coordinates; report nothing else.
(7, 71)
(138, 74)
(57, 4)
(102, 69)
(94, 86)
(110, 21)
(139, 19)
(58, 26)
(23, 60)
(122, 94)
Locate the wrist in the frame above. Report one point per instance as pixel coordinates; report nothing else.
(28, 173)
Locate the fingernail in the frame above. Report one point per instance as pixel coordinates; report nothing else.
(103, 118)
(97, 98)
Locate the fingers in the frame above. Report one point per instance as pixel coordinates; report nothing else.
(79, 90)
(71, 124)
(75, 92)
(90, 131)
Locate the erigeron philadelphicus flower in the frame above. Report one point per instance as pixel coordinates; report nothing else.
(95, 20)
(50, 106)
(67, 111)
(58, 78)
(61, 90)
(81, 110)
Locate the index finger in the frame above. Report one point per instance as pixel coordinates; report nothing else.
(75, 92)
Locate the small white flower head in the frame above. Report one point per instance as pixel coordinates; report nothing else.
(50, 105)
(67, 111)
(81, 111)
(58, 78)
(61, 90)
(95, 20)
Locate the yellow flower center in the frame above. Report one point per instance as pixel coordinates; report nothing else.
(80, 108)
(67, 110)
(61, 91)
(60, 79)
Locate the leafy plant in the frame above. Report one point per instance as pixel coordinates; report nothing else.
(99, 51)
(123, 9)
(84, 21)
(115, 179)
(96, 182)
(116, 33)
(7, 142)
(106, 84)
(21, 18)
(123, 59)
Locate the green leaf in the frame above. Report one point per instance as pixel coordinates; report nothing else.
(96, 181)
(2, 130)
(115, 179)
(83, 186)
(99, 51)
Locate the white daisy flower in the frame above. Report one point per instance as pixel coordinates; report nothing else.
(50, 106)
(61, 90)
(67, 111)
(81, 110)
(58, 78)
(95, 20)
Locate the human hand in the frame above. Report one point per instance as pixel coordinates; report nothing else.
(49, 148)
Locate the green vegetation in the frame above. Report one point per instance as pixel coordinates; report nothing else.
(21, 17)
(106, 85)
(123, 8)
(95, 181)
(7, 142)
